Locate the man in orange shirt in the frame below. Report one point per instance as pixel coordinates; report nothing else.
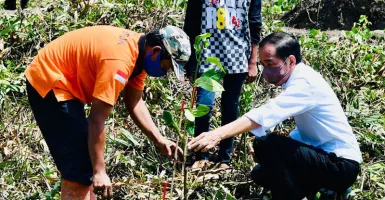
(93, 65)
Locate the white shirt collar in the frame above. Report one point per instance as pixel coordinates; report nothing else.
(293, 75)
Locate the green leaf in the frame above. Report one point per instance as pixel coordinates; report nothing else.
(369, 57)
(190, 128)
(175, 20)
(167, 116)
(201, 110)
(381, 185)
(313, 33)
(118, 141)
(7, 30)
(189, 115)
(213, 74)
(215, 61)
(201, 37)
(125, 139)
(127, 136)
(206, 44)
(227, 192)
(5, 163)
(209, 84)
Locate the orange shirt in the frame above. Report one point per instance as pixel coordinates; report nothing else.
(92, 62)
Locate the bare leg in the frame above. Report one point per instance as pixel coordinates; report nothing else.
(75, 191)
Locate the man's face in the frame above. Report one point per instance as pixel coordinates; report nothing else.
(165, 58)
(157, 61)
(276, 70)
(165, 62)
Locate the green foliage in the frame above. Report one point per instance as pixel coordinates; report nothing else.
(214, 74)
(201, 110)
(353, 64)
(167, 116)
(125, 138)
(209, 84)
(216, 62)
(54, 193)
(354, 67)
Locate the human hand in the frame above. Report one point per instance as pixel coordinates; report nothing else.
(102, 185)
(168, 148)
(252, 74)
(252, 153)
(205, 141)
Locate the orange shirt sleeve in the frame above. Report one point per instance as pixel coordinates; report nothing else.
(138, 82)
(112, 76)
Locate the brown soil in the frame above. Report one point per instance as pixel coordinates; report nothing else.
(336, 14)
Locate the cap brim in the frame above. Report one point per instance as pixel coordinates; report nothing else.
(178, 69)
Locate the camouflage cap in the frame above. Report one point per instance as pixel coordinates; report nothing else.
(177, 44)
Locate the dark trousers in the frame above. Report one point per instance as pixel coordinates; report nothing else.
(11, 4)
(64, 127)
(292, 170)
(232, 84)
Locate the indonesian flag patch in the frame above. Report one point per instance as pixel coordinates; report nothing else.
(121, 77)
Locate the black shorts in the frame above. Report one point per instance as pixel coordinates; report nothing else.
(65, 129)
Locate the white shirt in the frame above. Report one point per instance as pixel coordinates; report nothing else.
(317, 112)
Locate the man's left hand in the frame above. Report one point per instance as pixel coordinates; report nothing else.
(252, 76)
(168, 148)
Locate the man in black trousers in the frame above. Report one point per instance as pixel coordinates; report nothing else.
(11, 4)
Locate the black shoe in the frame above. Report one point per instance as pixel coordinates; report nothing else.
(23, 4)
(10, 5)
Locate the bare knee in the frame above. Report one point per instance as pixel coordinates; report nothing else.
(71, 190)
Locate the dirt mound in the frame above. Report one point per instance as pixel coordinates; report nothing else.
(341, 14)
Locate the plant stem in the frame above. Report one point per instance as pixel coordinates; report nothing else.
(244, 148)
(198, 58)
(174, 168)
(184, 162)
(239, 150)
(185, 191)
(195, 89)
(184, 169)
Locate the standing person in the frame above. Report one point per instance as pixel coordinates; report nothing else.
(235, 26)
(11, 4)
(93, 65)
(321, 152)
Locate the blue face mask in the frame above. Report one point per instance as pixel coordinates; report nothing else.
(153, 68)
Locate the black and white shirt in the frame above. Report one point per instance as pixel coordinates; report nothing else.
(233, 24)
(227, 22)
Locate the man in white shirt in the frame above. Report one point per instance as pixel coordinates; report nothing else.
(321, 152)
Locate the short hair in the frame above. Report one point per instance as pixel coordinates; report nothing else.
(154, 38)
(285, 45)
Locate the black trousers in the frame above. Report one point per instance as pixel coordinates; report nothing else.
(11, 4)
(64, 127)
(292, 170)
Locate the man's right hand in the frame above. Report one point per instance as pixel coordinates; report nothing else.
(102, 185)
(168, 148)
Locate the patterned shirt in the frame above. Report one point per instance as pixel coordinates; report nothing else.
(228, 23)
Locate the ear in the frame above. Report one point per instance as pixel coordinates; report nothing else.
(292, 60)
(156, 50)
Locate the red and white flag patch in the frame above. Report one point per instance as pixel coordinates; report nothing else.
(121, 77)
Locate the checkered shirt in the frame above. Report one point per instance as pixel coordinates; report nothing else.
(231, 45)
